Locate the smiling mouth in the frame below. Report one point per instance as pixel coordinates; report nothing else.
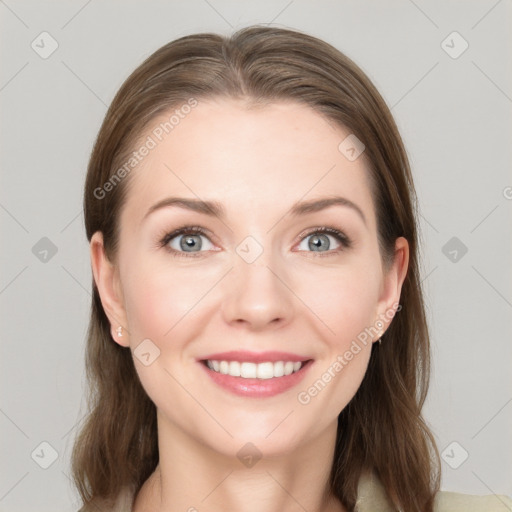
(249, 370)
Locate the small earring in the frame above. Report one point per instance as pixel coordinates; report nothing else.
(120, 331)
(380, 340)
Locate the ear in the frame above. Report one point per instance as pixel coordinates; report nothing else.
(106, 277)
(389, 300)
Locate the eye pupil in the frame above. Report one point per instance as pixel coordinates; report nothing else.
(316, 242)
(190, 242)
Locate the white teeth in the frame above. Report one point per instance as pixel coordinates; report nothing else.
(279, 369)
(234, 368)
(247, 370)
(265, 370)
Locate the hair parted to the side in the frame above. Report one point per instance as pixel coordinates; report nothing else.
(382, 428)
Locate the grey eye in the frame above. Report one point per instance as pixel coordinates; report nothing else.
(189, 243)
(318, 242)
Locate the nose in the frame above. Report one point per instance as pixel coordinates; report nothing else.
(257, 295)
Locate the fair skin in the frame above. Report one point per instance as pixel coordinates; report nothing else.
(257, 163)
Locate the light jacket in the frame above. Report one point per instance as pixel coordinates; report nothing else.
(371, 497)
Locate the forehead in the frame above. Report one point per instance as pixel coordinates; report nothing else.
(260, 159)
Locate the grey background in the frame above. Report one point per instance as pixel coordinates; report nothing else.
(454, 115)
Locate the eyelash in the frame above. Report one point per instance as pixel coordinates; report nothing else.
(345, 241)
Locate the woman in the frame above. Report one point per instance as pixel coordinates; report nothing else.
(261, 375)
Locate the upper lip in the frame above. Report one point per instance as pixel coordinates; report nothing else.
(255, 357)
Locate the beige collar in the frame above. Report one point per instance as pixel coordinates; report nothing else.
(371, 495)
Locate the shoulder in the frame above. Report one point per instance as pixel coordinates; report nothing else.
(454, 501)
(372, 496)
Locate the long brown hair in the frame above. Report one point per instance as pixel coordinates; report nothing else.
(381, 429)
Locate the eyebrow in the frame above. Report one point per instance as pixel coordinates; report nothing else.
(215, 209)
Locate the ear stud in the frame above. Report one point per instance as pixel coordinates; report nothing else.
(120, 331)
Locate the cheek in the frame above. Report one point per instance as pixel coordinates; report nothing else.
(343, 299)
(160, 307)
(157, 298)
(149, 307)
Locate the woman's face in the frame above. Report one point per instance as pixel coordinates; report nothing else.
(257, 279)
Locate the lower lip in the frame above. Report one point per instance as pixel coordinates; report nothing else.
(257, 388)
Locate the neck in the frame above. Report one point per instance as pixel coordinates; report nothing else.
(192, 477)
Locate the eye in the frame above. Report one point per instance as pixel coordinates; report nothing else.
(186, 241)
(319, 240)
